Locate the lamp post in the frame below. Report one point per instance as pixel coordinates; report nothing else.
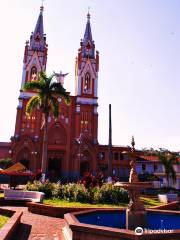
(34, 153)
(79, 140)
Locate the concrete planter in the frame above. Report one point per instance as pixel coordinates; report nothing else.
(9, 229)
(169, 197)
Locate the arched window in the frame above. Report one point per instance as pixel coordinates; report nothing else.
(33, 74)
(87, 83)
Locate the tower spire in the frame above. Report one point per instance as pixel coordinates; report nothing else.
(38, 39)
(88, 34)
(88, 43)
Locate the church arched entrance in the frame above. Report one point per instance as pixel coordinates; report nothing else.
(54, 167)
(57, 138)
(85, 163)
(84, 168)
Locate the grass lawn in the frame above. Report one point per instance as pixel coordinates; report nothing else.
(3, 220)
(148, 202)
(63, 203)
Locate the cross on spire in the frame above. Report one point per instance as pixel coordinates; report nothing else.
(89, 15)
(42, 6)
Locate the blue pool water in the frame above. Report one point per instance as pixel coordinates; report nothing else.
(117, 219)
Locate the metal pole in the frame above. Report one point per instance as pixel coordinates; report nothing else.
(110, 155)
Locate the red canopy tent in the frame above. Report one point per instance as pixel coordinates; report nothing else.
(19, 174)
(17, 169)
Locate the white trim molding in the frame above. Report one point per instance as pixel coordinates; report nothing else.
(90, 101)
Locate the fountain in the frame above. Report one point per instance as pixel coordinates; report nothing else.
(136, 215)
(135, 222)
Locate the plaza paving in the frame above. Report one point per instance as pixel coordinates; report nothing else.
(38, 227)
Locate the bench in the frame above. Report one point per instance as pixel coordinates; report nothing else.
(30, 196)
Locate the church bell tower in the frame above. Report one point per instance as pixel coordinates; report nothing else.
(35, 54)
(25, 142)
(86, 89)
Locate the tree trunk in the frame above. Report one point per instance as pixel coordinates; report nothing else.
(45, 145)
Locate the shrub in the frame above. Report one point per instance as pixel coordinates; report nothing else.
(75, 192)
(5, 163)
(110, 194)
(90, 181)
(46, 187)
(57, 190)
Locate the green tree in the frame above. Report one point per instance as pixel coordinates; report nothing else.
(5, 163)
(169, 160)
(47, 95)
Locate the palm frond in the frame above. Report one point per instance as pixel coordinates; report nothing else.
(55, 107)
(58, 90)
(168, 164)
(162, 158)
(45, 78)
(42, 75)
(50, 78)
(33, 85)
(32, 104)
(47, 96)
(173, 160)
(57, 86)
(67, 100)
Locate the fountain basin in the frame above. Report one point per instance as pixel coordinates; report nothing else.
(110, 224)
(136, 215)
(133, 185)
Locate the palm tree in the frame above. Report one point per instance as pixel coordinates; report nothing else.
(168, 161)
(47, 94)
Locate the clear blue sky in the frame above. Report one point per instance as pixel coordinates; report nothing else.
(139, 44)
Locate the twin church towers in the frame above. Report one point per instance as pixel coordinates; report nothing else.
(72, 139)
